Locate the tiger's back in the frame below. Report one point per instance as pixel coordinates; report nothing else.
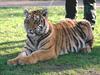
(72, 36)
(46, 40)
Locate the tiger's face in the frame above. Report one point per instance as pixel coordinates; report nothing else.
(35, 21)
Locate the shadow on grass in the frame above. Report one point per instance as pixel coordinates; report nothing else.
(11, 45)
(12, 42)
(65, 62)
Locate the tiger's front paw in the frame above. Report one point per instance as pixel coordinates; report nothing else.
(26, 60)
(23, 61)
(12, 62)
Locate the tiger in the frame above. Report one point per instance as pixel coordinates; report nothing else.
(46, 40)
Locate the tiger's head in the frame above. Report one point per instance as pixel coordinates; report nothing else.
(35, 22)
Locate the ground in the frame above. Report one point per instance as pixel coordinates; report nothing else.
(13, 36)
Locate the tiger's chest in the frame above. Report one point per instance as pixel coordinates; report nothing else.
(32, 42)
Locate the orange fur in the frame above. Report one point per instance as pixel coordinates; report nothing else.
(59, 39)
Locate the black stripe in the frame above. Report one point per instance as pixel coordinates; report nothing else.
(81, 32)
(28, 44)
(68, 37)
(43, 37)
(64, 33)
(76, 42)
(28, 50)
(74, 37)
(74, 49)
(47, 47)
(81, 44)
(30, 40)
(45, 43)
(87, 41)
(82, 35)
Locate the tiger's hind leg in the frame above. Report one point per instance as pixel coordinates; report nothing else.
(90, 43)
(88, 48)
(89, 38)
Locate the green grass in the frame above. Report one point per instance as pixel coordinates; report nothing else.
(12, 39)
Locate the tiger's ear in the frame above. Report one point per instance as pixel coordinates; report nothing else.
(45, 12)
(26, 13)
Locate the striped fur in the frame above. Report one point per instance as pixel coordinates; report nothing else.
(46, 40)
